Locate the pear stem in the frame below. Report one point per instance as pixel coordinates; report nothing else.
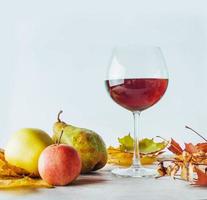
(58, 116)
(61, 134)
(196, 133)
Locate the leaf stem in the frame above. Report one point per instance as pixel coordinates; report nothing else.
(196, 133)
(162, 138)
(199, 164)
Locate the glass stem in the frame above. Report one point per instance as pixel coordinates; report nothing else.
(136, 157)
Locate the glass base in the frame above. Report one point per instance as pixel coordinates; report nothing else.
(137, 172)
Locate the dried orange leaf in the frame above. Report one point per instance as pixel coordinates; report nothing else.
(188, 162)
(175, 147)
(23, 182)
(174, 170)
(162, 171)
(190, 148)
(201, 178)
(202, 147)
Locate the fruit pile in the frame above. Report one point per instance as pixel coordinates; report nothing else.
(31, 154)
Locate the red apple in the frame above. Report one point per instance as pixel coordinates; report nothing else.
(59, 164)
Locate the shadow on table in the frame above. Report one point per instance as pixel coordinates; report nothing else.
(86, 180)
(20, 191)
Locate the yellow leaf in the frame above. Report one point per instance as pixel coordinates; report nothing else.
(22, 182)
(123, 158)
(7, 170)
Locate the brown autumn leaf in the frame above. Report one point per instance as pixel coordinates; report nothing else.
(201, 177)
(186, 163)
(175, 147)
(202, 146)
(190, 148)
(174, 170)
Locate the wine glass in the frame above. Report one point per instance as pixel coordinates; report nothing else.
(137, 78)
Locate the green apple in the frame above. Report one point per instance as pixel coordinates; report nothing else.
(24, 148)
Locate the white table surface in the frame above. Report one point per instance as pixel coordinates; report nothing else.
(104, 185)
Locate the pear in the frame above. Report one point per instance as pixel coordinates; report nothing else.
(90, 145)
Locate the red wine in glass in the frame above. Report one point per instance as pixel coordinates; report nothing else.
(137, 78)
(137, 94)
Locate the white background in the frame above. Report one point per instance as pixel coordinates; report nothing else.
(54, 54)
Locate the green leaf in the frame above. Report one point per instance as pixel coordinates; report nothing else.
(126, 143)
(146, 145)
(150, 146)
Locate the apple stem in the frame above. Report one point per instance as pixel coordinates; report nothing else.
(58, 117)
(61, 134)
